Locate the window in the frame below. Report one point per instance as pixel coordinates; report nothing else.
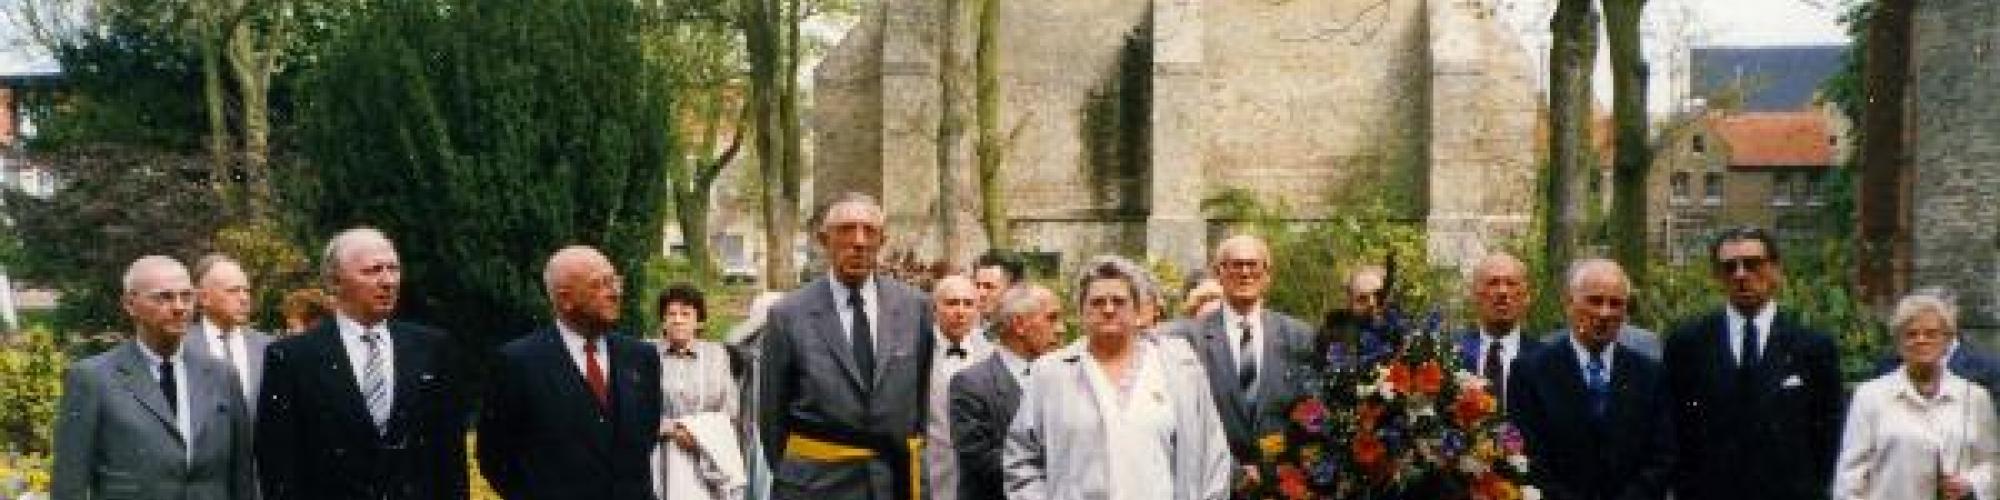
(1680, 190)
(1698, 144)
(1815, 190)
(1782, 188)
(1711, 189)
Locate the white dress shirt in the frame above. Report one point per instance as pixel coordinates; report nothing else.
(1583, 359)
(182, 423)
(230, 348)
(1510, 348)
(1232, 324)
(1898, 442)
(1764, 317)
(573, 342)
(1016, 366)
(940, 456)
(872, 303)
(357, 352)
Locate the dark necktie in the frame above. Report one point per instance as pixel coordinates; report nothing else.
(954, 351)
(1599, 386)
(1494, 370)
(1748, 357)
(1246, 361)
(861, 339)
(167, 387)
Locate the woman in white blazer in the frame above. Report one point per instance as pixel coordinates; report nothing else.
(1919, 431)
(1117, 417)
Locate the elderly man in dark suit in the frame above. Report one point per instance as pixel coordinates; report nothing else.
(362, 407)
(1757, 396)
(1594, 412)
(222, 328)
(846, 360)
(985, 396)
(573, 410)
(148, 419)
(1249, 352)
(1500, 303)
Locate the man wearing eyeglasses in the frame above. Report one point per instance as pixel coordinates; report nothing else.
(145, 419)
(1757, 395)
(1248, 351)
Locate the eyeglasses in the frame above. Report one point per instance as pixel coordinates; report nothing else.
(1743, 264)
(166, 296)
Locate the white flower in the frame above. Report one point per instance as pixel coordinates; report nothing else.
(1424, 410)
(1519, 462)
(1530, 493)
(1364, 390)
(1388, 391)
(1471, 465)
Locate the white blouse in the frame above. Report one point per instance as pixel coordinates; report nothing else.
(1898, 442)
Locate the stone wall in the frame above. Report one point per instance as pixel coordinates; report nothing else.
(1483, 117)
(1955, 190)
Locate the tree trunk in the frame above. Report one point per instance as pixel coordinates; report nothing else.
(792, 14)
(991, 152)
(253, 67)
(1634, 158)
(1883, 238)
(214, 96)
(1571, 57)
(771, 87)
(953, 163)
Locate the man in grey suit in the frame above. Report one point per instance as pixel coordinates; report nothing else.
(846, 360)
(985, 396)
(222, 293)
(145, 419)
(1249, 352)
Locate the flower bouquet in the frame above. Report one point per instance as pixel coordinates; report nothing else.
(1386, 413)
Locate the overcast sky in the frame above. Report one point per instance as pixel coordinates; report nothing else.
(1770, 22)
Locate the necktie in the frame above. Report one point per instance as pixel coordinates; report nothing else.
(375, 381)
(1494, 370)
(229, 358)
(594, 375)
(1598, 384)
(1246, 361)
(862, 341)
(1748, 357)
(168, 388)
(954, 351)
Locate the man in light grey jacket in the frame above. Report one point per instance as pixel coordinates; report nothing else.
(222, 328)
(146, 419)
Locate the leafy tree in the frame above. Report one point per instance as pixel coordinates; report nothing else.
(483, 136)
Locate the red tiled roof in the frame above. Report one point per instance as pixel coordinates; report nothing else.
(1776, 139)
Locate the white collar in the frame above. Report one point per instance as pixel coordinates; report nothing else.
(353, 330)
(1950, 385)
(153, 359)
(1014, 363)
(1583, 354)
(208, 326)
(1230, 317)
(575, 340)
(1765, 314)
(840, 288)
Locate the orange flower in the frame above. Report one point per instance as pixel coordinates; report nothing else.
(1429, 378)
(1490, 486)
(1292, 483)
(1399, 377)
(1472, 407)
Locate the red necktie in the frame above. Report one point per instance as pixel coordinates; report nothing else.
(595, 375)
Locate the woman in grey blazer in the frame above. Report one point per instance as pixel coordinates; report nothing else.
(1116, 417)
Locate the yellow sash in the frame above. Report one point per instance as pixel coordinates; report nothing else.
(816, 450)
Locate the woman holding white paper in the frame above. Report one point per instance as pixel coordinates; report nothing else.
(699, 456)
(1919, 431)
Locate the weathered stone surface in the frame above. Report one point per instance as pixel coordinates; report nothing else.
(1301, 102)
(1955, 190)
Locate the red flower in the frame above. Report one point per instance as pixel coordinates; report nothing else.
(1472, 407)
(1399, 377)
(1368, 450)
(1367, 414)
(1429, 378)
(1292, 483)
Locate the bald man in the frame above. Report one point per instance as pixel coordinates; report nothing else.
(147, 419)
(1500, 299)
(573, 410)
(1594, 413)
(1249, 352)
(955, 300)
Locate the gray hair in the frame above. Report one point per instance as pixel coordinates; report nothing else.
(1105, 267)
(1582, 268)
(342, 243)
(131, 278)
(1480, 272)
(846, 198)
(208, 263)
(551, 271)
(1932, 300)
(1019, 301)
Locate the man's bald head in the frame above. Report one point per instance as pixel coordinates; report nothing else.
(584, 288)
(957, 303)
(1500, 293)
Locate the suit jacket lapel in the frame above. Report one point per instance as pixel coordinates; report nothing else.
(1277, 362)
(1776, 360)
(1222, 375)
(828, 331)
(564, 378)
(894, 313)
(1004, 384)
(1569, 385)
(136, 373)
(203, 395)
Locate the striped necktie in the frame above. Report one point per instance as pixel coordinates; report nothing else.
(375, 381)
